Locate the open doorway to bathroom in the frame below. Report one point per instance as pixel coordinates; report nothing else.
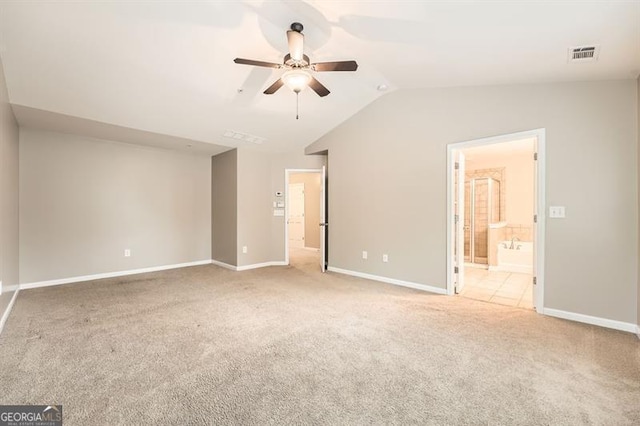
(496, 233)
(303, 211)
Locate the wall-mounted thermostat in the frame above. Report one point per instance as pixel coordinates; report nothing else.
(278, 193)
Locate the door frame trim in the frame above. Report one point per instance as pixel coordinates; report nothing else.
(539, 203)
(287, 173)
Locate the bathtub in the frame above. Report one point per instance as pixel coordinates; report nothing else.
(516, 259)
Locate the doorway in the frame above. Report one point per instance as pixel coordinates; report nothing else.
(304, 214)
(495, 204)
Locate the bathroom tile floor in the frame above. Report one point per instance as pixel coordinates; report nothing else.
(505, 288)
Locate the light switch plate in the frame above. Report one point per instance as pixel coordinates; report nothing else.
(556, 212)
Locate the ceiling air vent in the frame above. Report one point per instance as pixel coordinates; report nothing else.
(240, 136)
(584, 53)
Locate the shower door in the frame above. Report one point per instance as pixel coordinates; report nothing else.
(482, 207)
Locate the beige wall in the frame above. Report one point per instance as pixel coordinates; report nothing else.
(83, 201)
(280, 162)
(312, 190)
(9, 239)
(254, 207)
(224, 207)
(260, 175)
(638, 173)
(387, 190)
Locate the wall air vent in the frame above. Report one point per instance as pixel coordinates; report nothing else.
(584, 54)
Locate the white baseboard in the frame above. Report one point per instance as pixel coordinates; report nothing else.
(248, 267)
(224, 265)
(394, 281)
(261, 265)
(111, 274)
(588, 319)
(638, 331)
(7, 311)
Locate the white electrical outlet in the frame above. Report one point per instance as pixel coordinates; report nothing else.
(244, 249)
(364, 254)
(127, 253)
(385, 257)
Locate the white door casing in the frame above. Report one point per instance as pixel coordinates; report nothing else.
(459, 221)
(539, 222)
(323, 220)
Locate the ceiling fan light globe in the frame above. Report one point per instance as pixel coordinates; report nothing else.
(296, 80)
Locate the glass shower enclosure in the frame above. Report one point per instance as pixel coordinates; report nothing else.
(482, 207)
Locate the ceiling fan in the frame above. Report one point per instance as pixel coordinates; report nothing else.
(298, 65)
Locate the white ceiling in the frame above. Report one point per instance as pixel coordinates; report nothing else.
(167, 67)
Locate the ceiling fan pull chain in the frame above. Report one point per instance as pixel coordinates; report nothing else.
(297, 103)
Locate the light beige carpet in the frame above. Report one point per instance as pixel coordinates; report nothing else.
(288, 345)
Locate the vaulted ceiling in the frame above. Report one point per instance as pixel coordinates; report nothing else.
(166, 67)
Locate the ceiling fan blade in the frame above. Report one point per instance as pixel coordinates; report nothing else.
(335, 66)
(318, 87)
(256, 63)
(296, 44)
(274, 87)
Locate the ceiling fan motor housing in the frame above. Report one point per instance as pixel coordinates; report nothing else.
(296, 64)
